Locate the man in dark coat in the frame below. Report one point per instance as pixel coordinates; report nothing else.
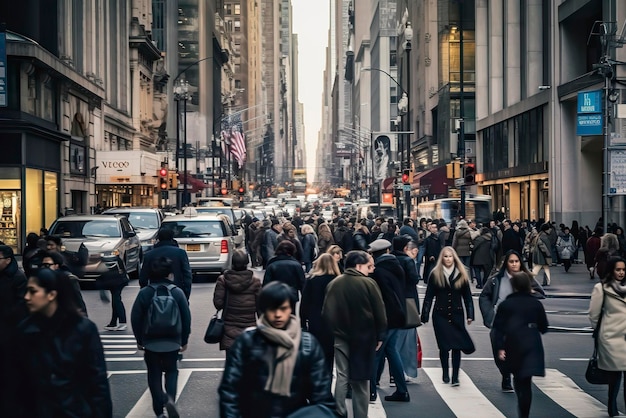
(355, 312)
(270, 241)
(12, 311)
(432, 248)
(276, 368)
(408, 229)
(168, 247)
(343, 236)
(511, 239)
(389, 276)
(283, 267)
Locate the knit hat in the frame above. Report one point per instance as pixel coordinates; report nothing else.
(462, 223)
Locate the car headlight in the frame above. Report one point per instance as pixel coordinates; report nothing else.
(113, 253)
(149, 241)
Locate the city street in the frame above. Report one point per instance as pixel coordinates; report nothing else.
(563, 392)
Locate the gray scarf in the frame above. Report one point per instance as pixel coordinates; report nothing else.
(619, 287)
(282, 366)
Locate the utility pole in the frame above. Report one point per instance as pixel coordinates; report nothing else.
(461, 150)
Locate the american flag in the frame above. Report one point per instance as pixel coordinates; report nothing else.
(233, 138)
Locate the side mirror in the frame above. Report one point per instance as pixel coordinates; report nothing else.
(130, 234)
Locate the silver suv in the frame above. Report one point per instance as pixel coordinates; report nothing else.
(110, 240)
(145, 221)
(208, 240)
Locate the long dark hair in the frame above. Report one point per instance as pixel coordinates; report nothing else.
(55, 280)
(610, 267)
(505, 260)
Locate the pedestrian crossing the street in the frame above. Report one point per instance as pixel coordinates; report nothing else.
(555, 395)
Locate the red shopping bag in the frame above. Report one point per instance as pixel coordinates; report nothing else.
(419, 353)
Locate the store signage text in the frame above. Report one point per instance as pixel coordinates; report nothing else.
(115, 164)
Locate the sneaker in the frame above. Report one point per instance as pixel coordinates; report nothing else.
(170, 406)
(398, 397)
(507, 387)
(121, 327)
(392, 382)
(111, 327)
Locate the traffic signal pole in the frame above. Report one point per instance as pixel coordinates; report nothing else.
(461, 150)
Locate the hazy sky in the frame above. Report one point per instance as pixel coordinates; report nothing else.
(311, 23)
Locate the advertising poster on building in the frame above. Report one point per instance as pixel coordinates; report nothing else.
(384, 154)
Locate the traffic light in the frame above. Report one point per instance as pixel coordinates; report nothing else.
(163, 180)
(173, 179)
(241, 190)
(406, 176)
(469, 173)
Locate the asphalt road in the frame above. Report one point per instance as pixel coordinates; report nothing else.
(562, 393)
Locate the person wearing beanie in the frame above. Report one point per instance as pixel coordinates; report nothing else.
(236, 292)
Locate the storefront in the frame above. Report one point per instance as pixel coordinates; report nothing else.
(127, 178)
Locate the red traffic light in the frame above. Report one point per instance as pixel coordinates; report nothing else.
(163, 172)
(224, 191)
(163, 184)
(469, 173)
(406, 175)
(240, 190)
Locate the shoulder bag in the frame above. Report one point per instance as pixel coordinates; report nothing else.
(215, 330)
(594, 374)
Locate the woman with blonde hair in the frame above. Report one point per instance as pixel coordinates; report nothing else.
(325, 269)
(337, 252)
(609, 247)
(449, 285)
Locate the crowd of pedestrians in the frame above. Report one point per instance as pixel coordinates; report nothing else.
(356, 284)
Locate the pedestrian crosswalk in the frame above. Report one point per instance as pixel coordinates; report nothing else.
(115, 344)
(555, 395)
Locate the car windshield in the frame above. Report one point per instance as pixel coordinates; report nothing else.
(142, 220)
(217, 210)
(195, 229)
(87, 228)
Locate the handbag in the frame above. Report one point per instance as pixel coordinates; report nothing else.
(215, 330)
(594, 374)
(412, 315)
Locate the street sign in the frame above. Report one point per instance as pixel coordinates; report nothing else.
(590, 101)
(589, 118)
(617, 182)
(589, 124)
(459, 182)
(406, 187)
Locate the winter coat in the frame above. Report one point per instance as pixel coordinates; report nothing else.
(139, 316)
(63, 368)
(12, 306)
(591, 248)
(481, 254)
(565, 246)
(308, 248)
(448, 316)
(359, 241)
(286, 269)
(511, 240)
(269, 245)
(180, 265)
(242, 390)
(295, 241)
(325, 240)
(390, 278)
(410, 274)
(489, 296)
(611, 341)
(311, 311)
(518, 326)
(541, 250)
(241, 289)
(461, 241)
(355, 312)
(444, 236)
(343, 238)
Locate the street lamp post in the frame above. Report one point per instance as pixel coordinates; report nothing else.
(461, 146)
(181, 92)
(408, 38)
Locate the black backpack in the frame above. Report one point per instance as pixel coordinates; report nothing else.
(163, 319)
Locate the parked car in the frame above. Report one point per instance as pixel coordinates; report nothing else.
(145, 221)
(110, 240)
(207, 238)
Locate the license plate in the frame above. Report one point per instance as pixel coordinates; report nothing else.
(193, 247)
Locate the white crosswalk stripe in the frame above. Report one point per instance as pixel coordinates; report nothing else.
(562, 390)
(143, 407)
(464, 400)
(117, 345)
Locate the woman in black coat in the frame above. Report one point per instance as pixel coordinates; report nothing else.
(325, 270)
(481, 259)
(284, 267)
(61, 356)
(449, 285)
(518, 326)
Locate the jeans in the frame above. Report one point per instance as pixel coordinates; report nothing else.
(396, 369)
(482, 274)
(419, 259)
(118, 311)
(157, 364)
(465, 259)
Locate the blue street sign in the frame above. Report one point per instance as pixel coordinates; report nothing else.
(590, 101)
(589, 124)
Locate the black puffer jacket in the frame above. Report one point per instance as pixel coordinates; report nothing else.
(390, 278)
(286, 269)
(242, 393)
(64, 369)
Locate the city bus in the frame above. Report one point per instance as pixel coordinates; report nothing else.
(477, 207)
(299, 180)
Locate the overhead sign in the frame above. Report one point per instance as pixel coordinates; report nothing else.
(617, 181)
(590, 101)
(589, 119)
